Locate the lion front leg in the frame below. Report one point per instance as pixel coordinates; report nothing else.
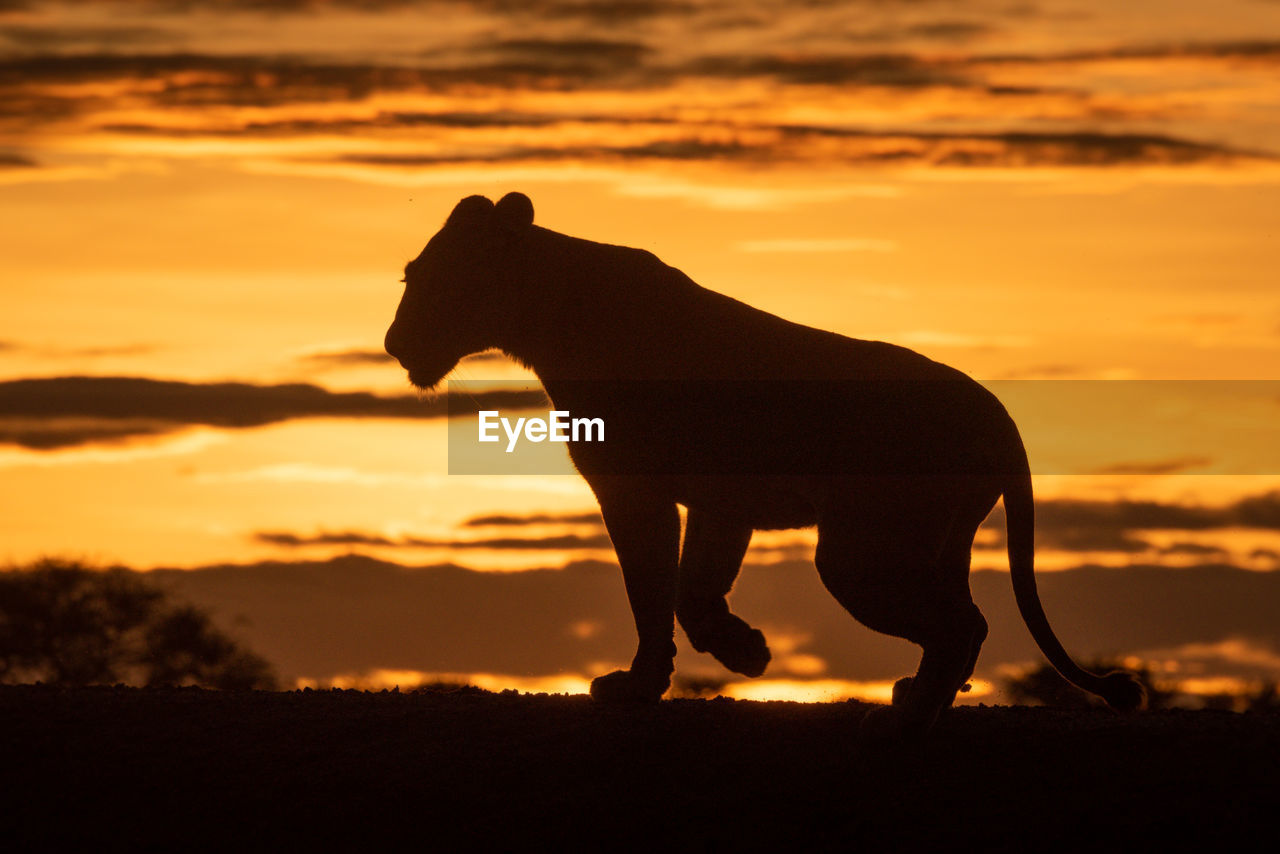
(709, 563)
(646, 537)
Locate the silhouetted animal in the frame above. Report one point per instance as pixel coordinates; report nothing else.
(751, 422)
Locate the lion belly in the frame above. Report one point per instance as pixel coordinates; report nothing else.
(763, 503)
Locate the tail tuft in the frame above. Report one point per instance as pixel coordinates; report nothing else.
(1123, 691)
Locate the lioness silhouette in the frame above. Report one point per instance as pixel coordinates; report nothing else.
(896, 459)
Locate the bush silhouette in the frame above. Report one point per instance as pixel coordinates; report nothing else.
(66, 624)
(697, 687)
(1044, 686)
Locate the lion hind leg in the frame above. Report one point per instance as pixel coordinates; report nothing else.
(709, 563)
(902, 577)
(978, 634)
(949, 654)
(964, 627)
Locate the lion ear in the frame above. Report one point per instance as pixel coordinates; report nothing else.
(514, 211)
(470, 210)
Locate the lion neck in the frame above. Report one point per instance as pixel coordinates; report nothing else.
(587, 310)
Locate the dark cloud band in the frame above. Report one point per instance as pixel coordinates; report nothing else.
(67, 411)
(560, 542)
(1061, 525)
(42, 89)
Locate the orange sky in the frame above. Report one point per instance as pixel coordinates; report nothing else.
(1070, 190)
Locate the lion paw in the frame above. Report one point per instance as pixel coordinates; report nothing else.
(627, 686)
(901, 689)
(734, 644)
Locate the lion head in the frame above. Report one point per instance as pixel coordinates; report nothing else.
(458, 298)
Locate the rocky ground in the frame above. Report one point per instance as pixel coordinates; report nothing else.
(187, 768)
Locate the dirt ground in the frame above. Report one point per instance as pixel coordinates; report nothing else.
(472, 770)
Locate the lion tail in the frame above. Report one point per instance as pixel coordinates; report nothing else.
(1122, 690)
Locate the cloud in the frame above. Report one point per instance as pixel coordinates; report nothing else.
(590, 517)
(105, 351)
(650, 134)
(561, 542)
(11, 160)
(603, 11)
(52, 433)
(916, 106)
(543, 56)
(1172, 466)
(1080, 149)
(193, 80)
(295, 473)
(270, 7)
(1266, 49)
(1061, 525)
(1015, 148)
(1258, 511)
(805, 245)
(579, 55)
(33, 38)
(783, 145)
(347, 358)
(946, 30)
(1089, 540)
(95, 351)
(354, 357)
(176, 81)
(592, 541)
(350, 538)
(1080, 525)
(1135, 515)
(942, 338)
(285, 126)
(891, 70)
(67, 411)
(660, 150)
(1199, 550)
(190, 442)
(308, 473)
(595, 540)
(746, 195)
(1054, 371)
(599, 11)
